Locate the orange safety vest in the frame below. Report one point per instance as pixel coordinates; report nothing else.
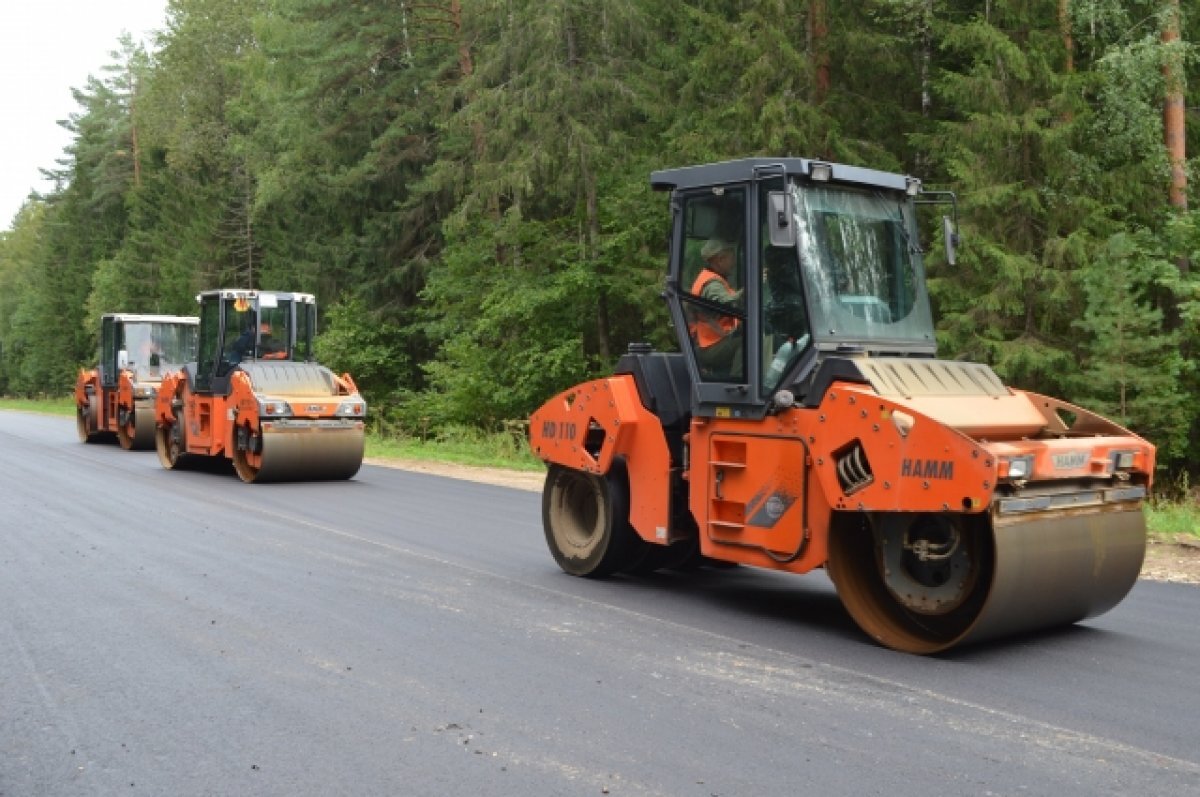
(707, 327)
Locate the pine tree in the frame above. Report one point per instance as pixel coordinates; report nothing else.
(1008, 150)
(191, 121)
(531, 273)
(1134, 370)
(19, 330)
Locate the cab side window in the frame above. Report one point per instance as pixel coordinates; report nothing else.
(713, 283)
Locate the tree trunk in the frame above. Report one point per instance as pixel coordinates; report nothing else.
(133, 130)
(818, 31)
(1064, 28)
(927, 58)
(466, 66)
(925, 36)
(591, 242)
(1068, 43)
(603, 328)
(1174, 121)
(1174, 125)
(248, 199)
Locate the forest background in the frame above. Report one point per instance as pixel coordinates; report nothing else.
(464, 184)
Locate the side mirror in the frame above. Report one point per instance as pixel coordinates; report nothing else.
(122, 359)
(950, 236)
(781, 218)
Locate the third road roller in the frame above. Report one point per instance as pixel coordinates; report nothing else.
(116, 397)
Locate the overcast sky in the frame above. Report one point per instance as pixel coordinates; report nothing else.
(46, 48)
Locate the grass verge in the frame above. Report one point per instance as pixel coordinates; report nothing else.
(1168, 519)
(50, 406)
(461, 447)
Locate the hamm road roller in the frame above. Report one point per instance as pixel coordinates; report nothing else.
(256, 396)
(807, 422)
(117, 396)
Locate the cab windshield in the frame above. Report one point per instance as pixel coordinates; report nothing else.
(862, 267)
(154, 348)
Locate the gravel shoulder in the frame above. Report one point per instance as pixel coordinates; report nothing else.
(1177, 561)
(1173, 560)
(502, 477)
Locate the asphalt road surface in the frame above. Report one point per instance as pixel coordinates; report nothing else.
(182, 633)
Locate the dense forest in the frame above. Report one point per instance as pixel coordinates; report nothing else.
(464, 183)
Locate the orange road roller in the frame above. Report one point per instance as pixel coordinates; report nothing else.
(256, 396)
(807, 422)
(117, 396)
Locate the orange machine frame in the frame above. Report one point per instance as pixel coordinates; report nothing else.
(763, 492)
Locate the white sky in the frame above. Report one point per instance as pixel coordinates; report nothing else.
(46, 48)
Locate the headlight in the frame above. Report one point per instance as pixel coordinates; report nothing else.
(271, 408)
(1016, 468)
(352, 409)
(1123, 460)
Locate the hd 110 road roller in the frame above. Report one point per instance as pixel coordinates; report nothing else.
(256, 396)
(117, 396)
(807, 422)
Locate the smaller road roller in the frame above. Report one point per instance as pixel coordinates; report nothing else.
(806, 422)
(117, 396)
(255, 395)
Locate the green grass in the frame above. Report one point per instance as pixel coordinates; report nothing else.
(1170, 518)
(49, 406)
(459, 446)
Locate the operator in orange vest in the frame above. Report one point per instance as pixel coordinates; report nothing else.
(269, 347)
(718, 336)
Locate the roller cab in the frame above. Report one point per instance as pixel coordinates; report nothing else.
(256, 396)
(806, 422)
(116, 397)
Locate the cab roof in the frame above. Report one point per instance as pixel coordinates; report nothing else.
(153, 319)
(245, 293)
(746, 169)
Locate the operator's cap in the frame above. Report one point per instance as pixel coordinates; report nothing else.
(715, 246)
